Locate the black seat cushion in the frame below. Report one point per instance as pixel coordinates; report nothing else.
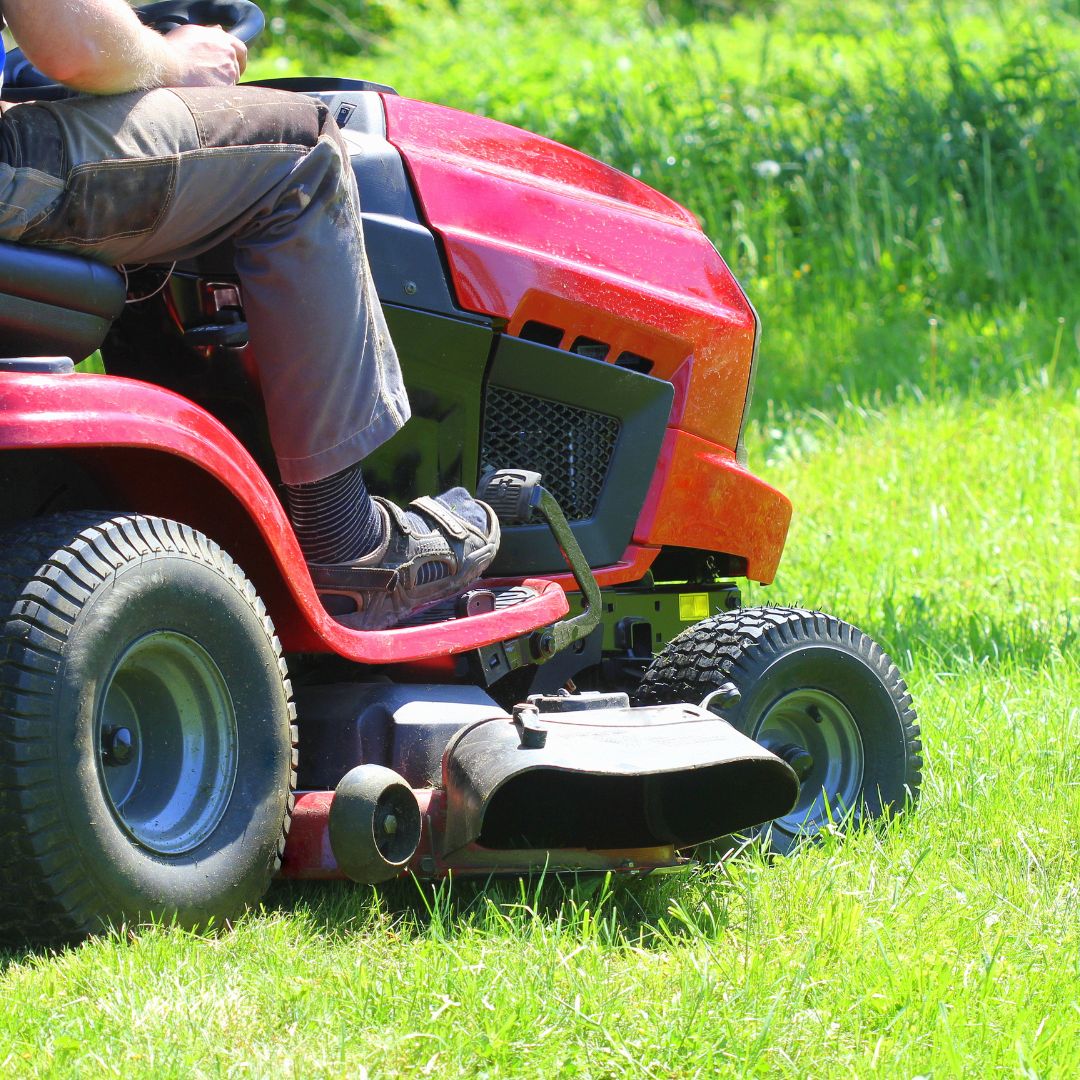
(53, 303)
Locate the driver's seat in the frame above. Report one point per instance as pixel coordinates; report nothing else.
(54, 304)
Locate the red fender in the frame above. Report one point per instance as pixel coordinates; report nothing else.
(162, 454)
(701, 497)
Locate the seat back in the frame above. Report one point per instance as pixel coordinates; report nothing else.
(55, 304)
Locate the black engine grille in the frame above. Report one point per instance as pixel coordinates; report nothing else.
(570, 447)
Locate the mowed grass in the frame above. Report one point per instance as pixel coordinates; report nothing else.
(923, 413)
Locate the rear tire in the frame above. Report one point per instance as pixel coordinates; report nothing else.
(816, 691)
(147, 743)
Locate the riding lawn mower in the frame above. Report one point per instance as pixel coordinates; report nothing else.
(181, 717)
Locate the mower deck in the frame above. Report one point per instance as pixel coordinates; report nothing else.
(310, 857)
(568, 782)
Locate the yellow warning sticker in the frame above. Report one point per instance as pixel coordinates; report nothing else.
(693, 606)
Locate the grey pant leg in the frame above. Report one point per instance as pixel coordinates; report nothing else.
(164, 175)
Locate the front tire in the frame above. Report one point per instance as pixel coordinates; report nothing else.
(147, 745)
(814, 690)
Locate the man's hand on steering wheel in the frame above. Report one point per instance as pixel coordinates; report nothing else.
(204, 56)
(102, 47)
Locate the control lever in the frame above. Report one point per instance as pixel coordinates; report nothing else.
(232, 335)
(514, 494)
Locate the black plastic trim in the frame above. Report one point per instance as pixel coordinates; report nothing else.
(443, 362)
(62, 280)
(322, 84)
(28, 328)
(55, 304)
(642, 405)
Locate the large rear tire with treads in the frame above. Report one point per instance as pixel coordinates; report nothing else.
(147, 737)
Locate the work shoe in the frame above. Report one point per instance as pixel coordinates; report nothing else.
(432, 551)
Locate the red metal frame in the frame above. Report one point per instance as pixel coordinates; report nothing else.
(141, 437)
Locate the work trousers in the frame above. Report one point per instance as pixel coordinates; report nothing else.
(163, 175)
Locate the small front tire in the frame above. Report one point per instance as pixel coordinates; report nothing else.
(816, 691)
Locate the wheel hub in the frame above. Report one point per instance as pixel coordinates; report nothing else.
(117, 746)
(814, 732)
(167, 743)
(799, 758)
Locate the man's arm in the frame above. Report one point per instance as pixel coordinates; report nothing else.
(100, 47)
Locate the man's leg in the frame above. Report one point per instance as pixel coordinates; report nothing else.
(167, 174)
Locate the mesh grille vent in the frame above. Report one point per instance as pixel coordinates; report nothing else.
(571, 448)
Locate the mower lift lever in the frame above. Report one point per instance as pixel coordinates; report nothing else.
(514, 494)
(568, 631)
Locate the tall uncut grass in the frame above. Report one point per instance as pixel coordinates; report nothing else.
(898, 187)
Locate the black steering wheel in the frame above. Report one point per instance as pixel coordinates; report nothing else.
(241, 18)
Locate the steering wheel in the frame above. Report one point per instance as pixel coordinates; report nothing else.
(241, 18)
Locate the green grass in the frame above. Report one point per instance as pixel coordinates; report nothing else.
(951, 526)
(947, 944)
(919, 400)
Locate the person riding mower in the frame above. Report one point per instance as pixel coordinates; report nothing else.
(165, 159)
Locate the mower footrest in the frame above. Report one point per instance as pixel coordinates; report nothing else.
(479, 601)
(440, 632)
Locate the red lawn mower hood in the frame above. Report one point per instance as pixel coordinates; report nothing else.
(537, 232)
